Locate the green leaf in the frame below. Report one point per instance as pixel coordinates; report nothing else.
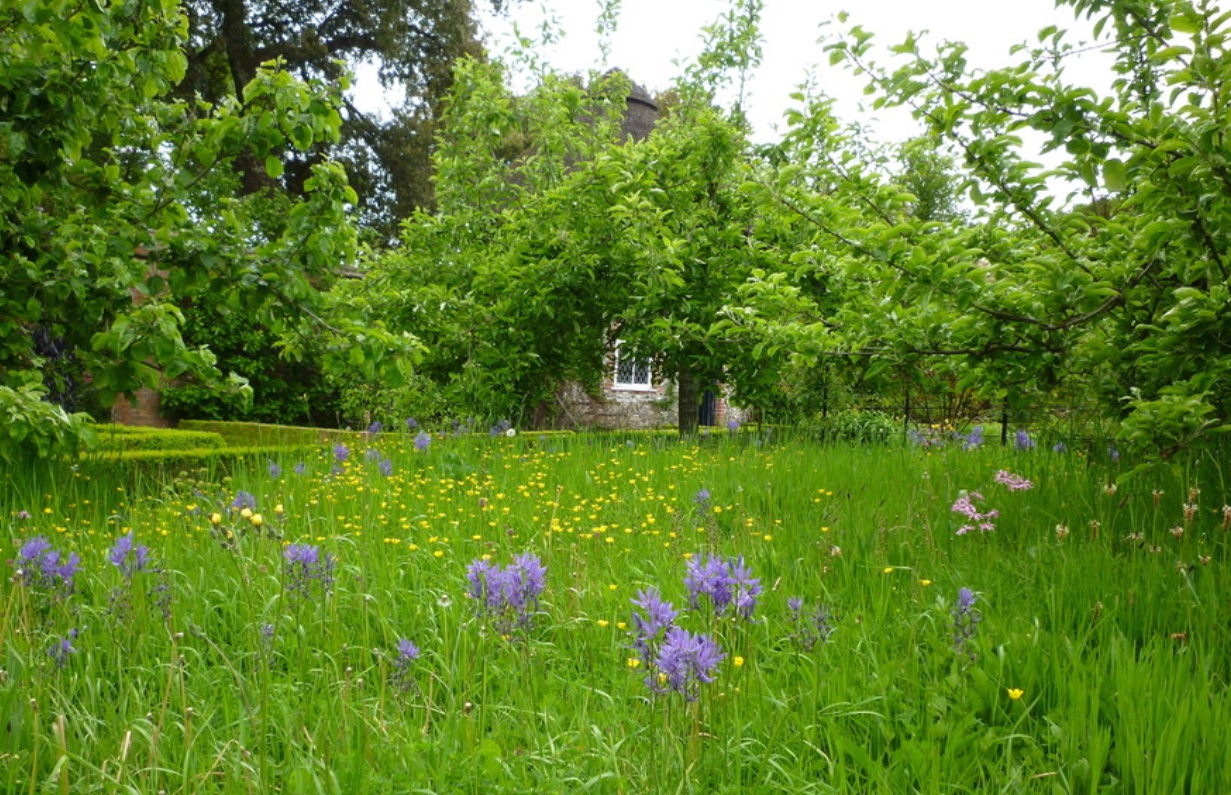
(1187, 21)
(273, 166)
(1115, 176)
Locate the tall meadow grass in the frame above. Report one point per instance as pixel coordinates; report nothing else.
(1091, 654)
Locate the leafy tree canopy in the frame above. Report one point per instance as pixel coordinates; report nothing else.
(117, 203)
(414, 44)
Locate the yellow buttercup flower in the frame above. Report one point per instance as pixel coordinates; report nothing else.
(215, 518)
(1016, 693)
(738, 662)
(256, 519)
(602, 622)
(633, 662)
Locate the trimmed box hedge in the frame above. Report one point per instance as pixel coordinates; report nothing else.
(125, 438)
(255, 434)
(213, 460)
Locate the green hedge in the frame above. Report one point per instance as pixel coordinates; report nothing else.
(255, 434)
(124, 438)
(211, 460)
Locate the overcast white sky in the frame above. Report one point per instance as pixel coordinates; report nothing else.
(655, 36)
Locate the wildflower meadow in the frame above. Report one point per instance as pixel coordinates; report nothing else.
(428, 612)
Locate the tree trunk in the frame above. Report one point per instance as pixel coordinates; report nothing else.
(242, 60)
(686, 384)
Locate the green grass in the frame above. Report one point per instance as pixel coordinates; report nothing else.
(1118, 642)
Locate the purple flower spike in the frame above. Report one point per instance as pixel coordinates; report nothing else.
(128, 556)
(725, 582)
(407, 652)
(40, 566)
(685, 662)
(972, 440)
(965, 620)
(62, 649)
(341, 452)
(509, 596)
(304, 564)
(423, 441)
(32, 551)
(658, 616)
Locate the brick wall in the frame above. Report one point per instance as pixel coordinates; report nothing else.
(147, 410)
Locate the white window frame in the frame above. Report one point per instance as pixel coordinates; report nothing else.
(631, 386)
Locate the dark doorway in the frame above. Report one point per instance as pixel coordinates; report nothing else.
(708, 413)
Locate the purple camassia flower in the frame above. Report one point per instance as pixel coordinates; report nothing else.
(275, 471)
(407, 653)
(818, 627)
(965, 619)
(1022, 441)
(1113, 454)
(726, 582)
(303, 565)
(972, 440)
(732, 425)
(702, 498)
(385, 466)
(40, 565)
(479, 574)
(63, 648)
(411, 423)
(371, 454)
(509, 595)
(243, 499)
(301, 468)
(709, 575)
(128, 557)
(341, 452)
(965, 505)
(422, 441)
(32, 551)
(659, 615)
(374, 428)
(685, 662)
(747, 588)
(532, 576)
(401, 679)
(1059, 447)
